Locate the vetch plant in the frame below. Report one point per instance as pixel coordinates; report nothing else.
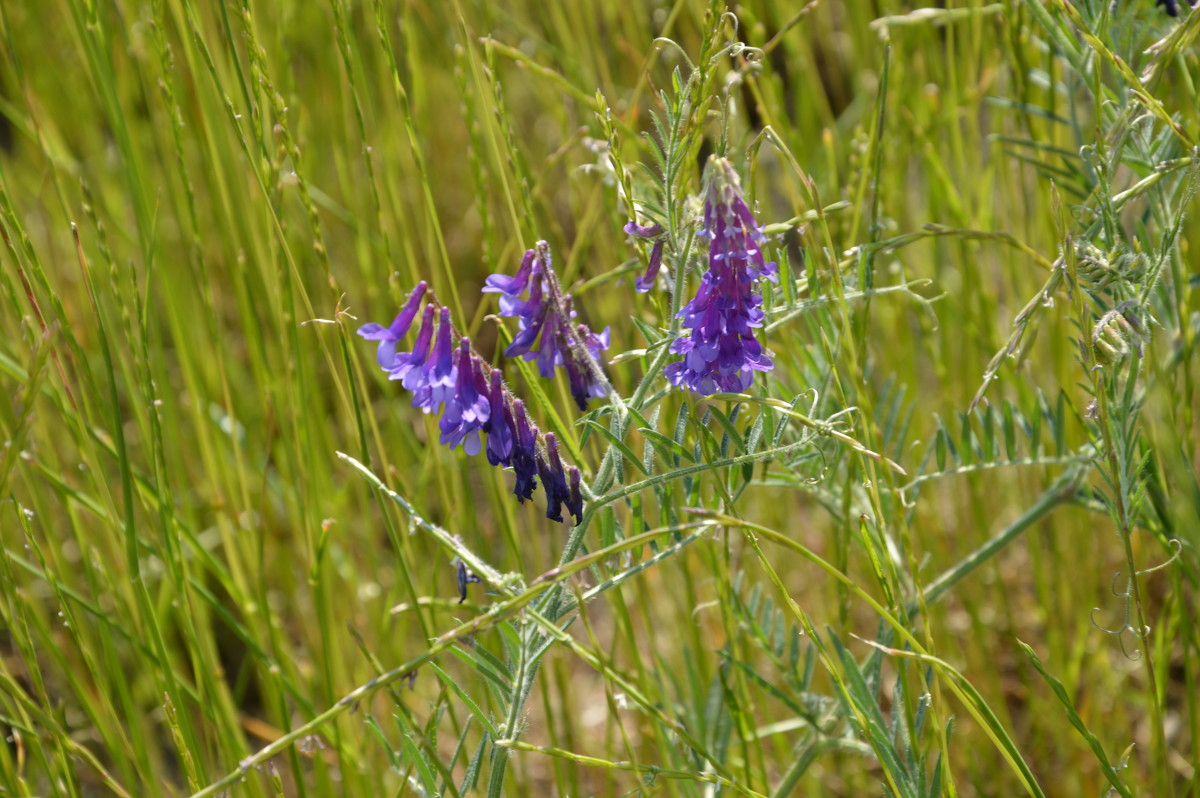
(716, 333)
(718, 252)
(771, 500)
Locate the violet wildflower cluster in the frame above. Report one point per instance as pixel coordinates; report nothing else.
(548, 332)
(721, 352)
(454, 381)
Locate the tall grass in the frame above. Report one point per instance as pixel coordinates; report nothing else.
(948, 546)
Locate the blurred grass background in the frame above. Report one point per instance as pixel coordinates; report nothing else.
(191, 571)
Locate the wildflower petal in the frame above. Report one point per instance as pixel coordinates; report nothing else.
(440, 374)
(512, 286)
(554, 479)
(374, 332)
(408, 367)
(647, 280)
(467, 408)
(644, 231)
(575, 499)
(388, 337)
(500, 425)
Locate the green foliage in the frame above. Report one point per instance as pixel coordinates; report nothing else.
(231, 549)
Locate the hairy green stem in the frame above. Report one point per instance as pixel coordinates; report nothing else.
(1059, 492)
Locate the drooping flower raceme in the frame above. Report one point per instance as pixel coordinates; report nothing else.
(455, 382)
(547, 331)
(721, 352)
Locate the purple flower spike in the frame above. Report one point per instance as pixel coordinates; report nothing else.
(388, 337)
(468, 409)
(524, 454)
(720, 351)
(547, 331)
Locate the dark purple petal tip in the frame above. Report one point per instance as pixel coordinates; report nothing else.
(647, 280)
(448, 378)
